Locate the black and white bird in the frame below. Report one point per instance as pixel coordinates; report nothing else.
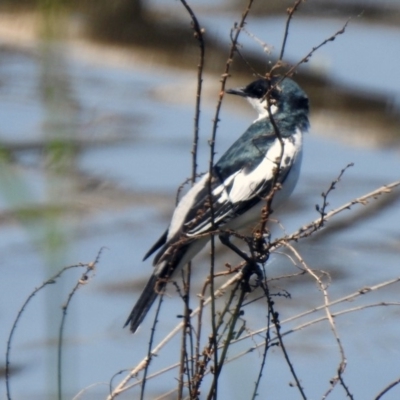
(240, 182)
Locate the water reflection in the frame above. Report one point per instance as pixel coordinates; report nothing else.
(129, 147)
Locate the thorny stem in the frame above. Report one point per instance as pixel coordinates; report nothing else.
(267, 209)
(185, 369)
(230, 334)
(348, 298)
(266, 348)
(314, 49)
(81, 281)
(149, 353)
(290, 12)
(322, 210)
(224, 77)
(207, 352)
(387, 388)
(198, 34)
(312, 227)
(52, 280)
(297, 328)
(276, 322)
(232, 326)
(322, 287)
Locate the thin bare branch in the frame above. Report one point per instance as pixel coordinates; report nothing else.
(198, 34)
(51, 280)
(322, 209)
(210, 170)
(387, 388)
(83, 280)
(87, 388)
(344, 299)
(322, 287)
(279, 336)
(293, 330)
(264, 356)
(151, 341)
(227, 341)
(314, 49)
(312, 227)
(290, 12)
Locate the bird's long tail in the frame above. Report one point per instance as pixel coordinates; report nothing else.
(145, 302)
(172, 259)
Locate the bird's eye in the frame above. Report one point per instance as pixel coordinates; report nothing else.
(260, 93)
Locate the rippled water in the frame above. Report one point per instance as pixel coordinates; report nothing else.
(131, 151)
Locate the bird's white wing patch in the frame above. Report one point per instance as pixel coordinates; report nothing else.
(221, 191)
(247, 184)
(184, 206)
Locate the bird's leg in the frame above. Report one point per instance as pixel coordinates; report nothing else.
(251, 266)
(248, 270)
(224, 237)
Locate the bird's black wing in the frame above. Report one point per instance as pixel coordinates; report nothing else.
(241, 178)
(161, 241)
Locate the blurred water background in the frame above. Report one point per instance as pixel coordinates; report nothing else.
(96, 127)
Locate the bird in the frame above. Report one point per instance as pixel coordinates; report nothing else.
(237, 185)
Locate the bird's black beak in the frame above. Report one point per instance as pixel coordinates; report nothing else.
(238, 91)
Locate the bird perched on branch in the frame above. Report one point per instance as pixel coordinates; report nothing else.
(268, 153)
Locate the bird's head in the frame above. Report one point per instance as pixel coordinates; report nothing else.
(285, 96)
